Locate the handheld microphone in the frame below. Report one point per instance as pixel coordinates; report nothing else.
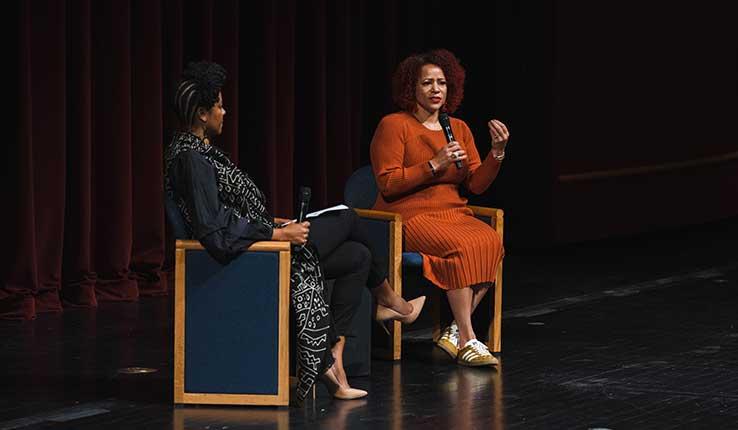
(304, 205)
(305, 194)
(446, 126)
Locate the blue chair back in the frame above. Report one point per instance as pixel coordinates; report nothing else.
(175, 219)
(361, 189)
(361, 192)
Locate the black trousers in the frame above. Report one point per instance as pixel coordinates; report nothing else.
(346, 255)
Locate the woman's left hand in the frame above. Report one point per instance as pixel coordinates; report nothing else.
(500, 135)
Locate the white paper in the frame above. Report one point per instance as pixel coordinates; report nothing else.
(332, 208)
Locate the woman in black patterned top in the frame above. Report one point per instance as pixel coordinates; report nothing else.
(225, 210)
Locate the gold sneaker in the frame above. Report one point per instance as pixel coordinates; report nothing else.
(449, 340)
(475, 353)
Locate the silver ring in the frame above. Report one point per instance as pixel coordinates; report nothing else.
(453, 155)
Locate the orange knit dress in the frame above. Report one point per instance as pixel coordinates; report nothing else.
(458, 249)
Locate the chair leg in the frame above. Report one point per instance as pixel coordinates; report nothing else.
(396, 340)
(495, 326)
(396, 331)
(388, 347)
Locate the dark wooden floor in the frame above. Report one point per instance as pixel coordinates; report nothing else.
(633, 333)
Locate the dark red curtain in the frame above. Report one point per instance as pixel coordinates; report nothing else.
(94, 81)
(307, 83)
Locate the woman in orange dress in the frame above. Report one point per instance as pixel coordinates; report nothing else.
(417, 175)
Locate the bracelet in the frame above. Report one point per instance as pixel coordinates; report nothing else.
(499, 157)
(433, 169)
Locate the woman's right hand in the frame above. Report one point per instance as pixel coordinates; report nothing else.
(450, 153)
(295, 233)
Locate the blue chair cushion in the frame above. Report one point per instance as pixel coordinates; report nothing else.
(412, 259)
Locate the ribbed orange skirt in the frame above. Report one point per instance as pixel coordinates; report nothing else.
(458, 249)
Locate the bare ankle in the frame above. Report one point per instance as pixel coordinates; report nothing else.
(465, 336)
(340, 374)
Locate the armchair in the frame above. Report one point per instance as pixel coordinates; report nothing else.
(231, 325)
(360, 192)
(221, 355)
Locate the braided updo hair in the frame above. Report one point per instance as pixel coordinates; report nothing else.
(199, 87)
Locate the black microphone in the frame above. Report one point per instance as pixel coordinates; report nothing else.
(304, 203)
(446, 125)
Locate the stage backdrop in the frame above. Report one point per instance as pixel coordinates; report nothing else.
(589, 93)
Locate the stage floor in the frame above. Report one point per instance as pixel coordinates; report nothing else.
(633, 333)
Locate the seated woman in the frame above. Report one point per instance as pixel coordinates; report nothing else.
(418, 176)
(225, 210)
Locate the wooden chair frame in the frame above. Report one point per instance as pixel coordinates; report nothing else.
(283, 392)
(393, 350)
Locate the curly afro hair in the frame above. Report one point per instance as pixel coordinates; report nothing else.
(199, 87)
(408, 71)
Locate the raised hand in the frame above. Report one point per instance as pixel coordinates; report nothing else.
(499, 134)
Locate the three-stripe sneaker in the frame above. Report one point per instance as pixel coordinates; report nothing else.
(475, 353)
(449, 340)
